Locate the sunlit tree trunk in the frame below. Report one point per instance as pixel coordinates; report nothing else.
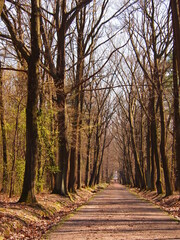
(1, 5)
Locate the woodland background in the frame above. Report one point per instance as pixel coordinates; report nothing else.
(88, 88)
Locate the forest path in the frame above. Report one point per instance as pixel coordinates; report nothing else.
(115, 213)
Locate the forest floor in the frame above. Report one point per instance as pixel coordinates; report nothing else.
(170, 204)
(117, 214)
(22, 221)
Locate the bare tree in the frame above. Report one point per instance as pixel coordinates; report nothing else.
(156, 77)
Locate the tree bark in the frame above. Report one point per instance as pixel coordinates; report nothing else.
(175, 5)
(102, 155)
(88, 155)
(89, 134)
(1, 6)
(176, 120)
(139, 179)
(164, 158)
(63, 19)
(61, 185)
(163, 148)
(28, 191)
(4, 142)
(154, 146)
(14, 154)
(96, 157)
(148, 153)
(78, 103)
(78, 148)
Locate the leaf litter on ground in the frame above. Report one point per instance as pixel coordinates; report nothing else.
(170, 204)
(25, 221)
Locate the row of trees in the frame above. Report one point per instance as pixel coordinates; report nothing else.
(82, 79)
(60, 120)
(148, 134)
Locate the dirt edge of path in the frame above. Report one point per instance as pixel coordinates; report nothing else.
(169, 204)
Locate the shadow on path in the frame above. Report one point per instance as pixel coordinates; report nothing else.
(115, 213)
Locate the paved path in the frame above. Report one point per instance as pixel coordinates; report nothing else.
(115, 213)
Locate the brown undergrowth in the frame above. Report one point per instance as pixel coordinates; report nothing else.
(170, 204)
(22, 221)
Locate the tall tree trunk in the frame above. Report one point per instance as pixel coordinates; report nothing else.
(80, 22)
(125, 164)
(61, 185)
(28, 191)
(148, 151)
(102, 155)
(73, 148)
(163, 145)
(154, 146)
(107, 169)
(14, 154)
(176, 120)
(75, 160)
(78, 148)
(139, 179)
(141, 154)
(72, 170)
(128, 158)
(156, 78)
(39, 163)
(4, 142)
(175, 5)
(89, 134)
(78, 157)
(88, 155)
(96, 158)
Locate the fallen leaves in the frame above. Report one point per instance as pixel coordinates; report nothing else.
(21, 221)
(170, 204)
